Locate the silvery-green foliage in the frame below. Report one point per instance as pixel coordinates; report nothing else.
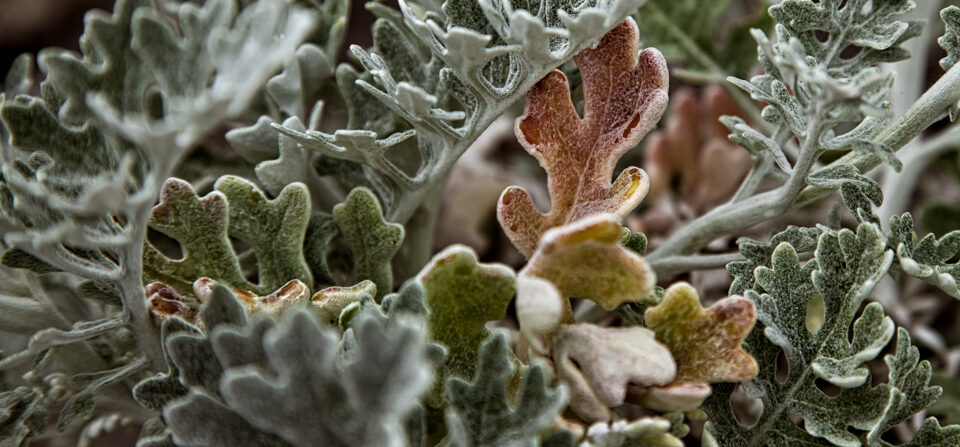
(803, 240)
(928, 258)
(73, 353)
(481, 413)
(845, 268)
(85, 161)
(447, 72)
(24, 415)
(293, 381)
(813, 86)
(296, 100)
(950, 41)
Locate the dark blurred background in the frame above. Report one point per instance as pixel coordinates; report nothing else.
(31, 25)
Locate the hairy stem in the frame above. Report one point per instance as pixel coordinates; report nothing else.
(675, 265)
(135, 310)
(736, 217)
(898, 187)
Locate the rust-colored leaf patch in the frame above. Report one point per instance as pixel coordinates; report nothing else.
(704, 342)
(624, 96)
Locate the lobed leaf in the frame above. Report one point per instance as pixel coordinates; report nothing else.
(846, 268)
(803, 240)
(950, 42)
(237, 367)
(585, 260)
(598, 363)
(373, 240)
(704, 342)
(929, 258)
(274, 229)
(625, 95)
(461, 295)
(481, 412)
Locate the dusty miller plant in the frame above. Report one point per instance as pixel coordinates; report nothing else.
(278, 286)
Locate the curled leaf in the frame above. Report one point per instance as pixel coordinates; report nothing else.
(585, 260)
(164, 302)
(330, 302)
(293, 293)
(598, 363)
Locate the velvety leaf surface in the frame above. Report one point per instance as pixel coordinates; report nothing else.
(950, 42)
(377, 380)
(329, 303)
(846, 267)
(274, 229)
(928, 258)
(624, 96)
(704, 342)
(643, 432)
(585, 260)
(292, 380)
(803, 240)
(372, 239)
(461, 295)
(598, 363)
(484, 412)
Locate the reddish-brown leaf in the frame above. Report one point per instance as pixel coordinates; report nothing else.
(624, 96)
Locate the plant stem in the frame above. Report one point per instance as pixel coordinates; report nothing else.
(738, 216)
(674, 265)
(899, 186)
(135, 310)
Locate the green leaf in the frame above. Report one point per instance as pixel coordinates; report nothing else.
(372, 239)
(931, 259)
(846, 268)
(803, 240)
(461, 295)
(485, 413)
(859, 192)
(636, 242)
(950, 42)
(274, 229)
